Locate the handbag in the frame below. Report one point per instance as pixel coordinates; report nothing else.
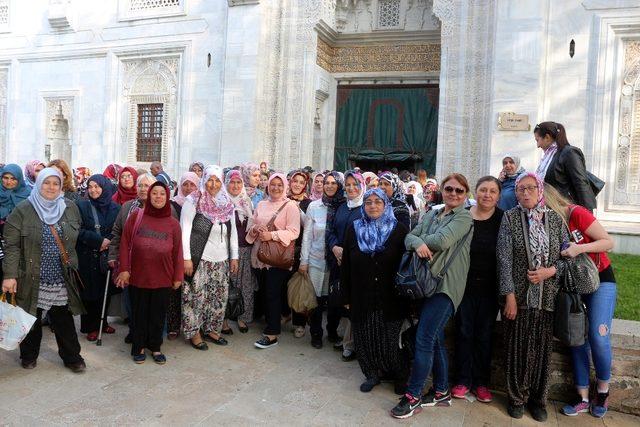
(75, 281)
(274, 253)
(414, 278)
(103, 256)
(15, 323)
(584, 277)
(595, 183)
(570, 321)
(235, 303)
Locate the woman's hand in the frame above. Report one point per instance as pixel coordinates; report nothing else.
(105, 245)
(188, 267)
(304, 269)
(10, 285)
(112, 264)
(511, 307)
(423, 251)
(123, 279)
(176, 285)
(572, 251)
(541, 274)
(233, 266)
(337, 252)
(265, 236)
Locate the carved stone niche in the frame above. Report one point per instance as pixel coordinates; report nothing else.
(58, 129)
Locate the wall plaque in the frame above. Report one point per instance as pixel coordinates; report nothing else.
(513, 121)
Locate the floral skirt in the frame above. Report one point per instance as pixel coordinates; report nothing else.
(246, 281)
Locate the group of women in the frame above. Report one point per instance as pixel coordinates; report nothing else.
(248, 230)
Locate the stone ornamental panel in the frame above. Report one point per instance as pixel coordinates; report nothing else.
(136, 5)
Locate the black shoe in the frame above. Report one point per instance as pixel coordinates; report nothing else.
(265, 342)
(218, 341)
(227, 331)
(400, 387)
(369, 384)
(436, 398)
(316, 342)
(29, 364)
(200, 346)
(350, 357)
(407, 406)
(333, 338)
(515, 411)
(77, 367)
(128, 339)
(538, 412)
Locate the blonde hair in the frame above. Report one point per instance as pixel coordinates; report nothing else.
(556, 202)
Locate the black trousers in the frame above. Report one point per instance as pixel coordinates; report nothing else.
(474, 322)
(274, 280)
(333, 319)
(90, 322)
(65, 332)
(149, 311)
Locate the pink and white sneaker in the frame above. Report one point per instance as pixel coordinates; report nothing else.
(483, 394)
(459, 391)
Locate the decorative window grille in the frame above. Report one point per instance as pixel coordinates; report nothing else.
(140, 5)
(149, 137)
(389, 13)
(4, 13)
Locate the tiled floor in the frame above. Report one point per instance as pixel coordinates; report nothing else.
(291, 384)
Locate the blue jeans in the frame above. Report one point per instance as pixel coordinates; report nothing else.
(600, 307)
(430, 353)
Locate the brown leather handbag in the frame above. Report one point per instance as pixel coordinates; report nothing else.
(273, 253)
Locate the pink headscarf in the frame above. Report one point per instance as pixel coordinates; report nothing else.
(284, 182)
(30, 172)
(187, 176)
(216, 208)
(242, 202)
(246, 170)
(315, 195)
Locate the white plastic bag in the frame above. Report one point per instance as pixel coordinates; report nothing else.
(15, 323)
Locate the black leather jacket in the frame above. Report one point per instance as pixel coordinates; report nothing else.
(567, 173)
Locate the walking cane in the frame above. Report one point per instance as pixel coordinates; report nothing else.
(104, 306)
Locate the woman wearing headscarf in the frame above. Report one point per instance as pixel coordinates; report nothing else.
(13, 190)
(243, 278)
(510, 170)
(374, 245)
(68, 186)
(432, 194)
(31, 170)
(317, 185)
(393, 188)
(98, 213)
(151, 237)
(126, 186)
(197, 168)
(370, 179)
(34, 270)
(529, 267)
(348, 211)
(210, 242)
(286, 229)
(82, 175)
(436, 238)
(112, 172)
(251, 177)
(415, 201)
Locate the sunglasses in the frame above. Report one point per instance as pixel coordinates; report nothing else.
(458, 191)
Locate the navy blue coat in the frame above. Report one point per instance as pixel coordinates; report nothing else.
(508, 194)
(335, 235)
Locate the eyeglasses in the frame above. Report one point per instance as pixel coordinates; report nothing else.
(530, 189)
(374, 202)
(459, 191)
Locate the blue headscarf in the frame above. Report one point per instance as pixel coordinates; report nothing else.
(372, 234)
(49, 211)
(10, 198)
(103, 202)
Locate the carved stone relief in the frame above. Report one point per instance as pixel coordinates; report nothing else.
(3, 112)
(59, 128)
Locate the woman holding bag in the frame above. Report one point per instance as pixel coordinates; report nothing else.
(274, 220)
(31, 233)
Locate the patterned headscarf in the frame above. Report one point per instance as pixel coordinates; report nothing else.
(123, 195)
(192, 167)
(396, 185)
(354, 203)
(283, 178)
(10, 198)
(248, 169)
(538, 238)
(372, 234)
(30, 172)
(187, 176)
(315, 194)
(113, 172)
(368, 177)
(216, 208)
(303, 194)
(82, 174)
(242, 202)
(332, 202)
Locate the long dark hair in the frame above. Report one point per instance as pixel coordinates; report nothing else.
(555, 130)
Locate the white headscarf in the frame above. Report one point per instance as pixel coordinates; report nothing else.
(49, 211)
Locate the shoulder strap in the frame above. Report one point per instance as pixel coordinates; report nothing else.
(454, 254)
(96, 221)
(63, 252)
(525, 232)
(275, 215)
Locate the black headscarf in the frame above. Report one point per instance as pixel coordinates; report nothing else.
(332, 203)
(103, 202)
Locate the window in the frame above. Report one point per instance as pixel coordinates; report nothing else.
(388, 13)
(149, 138)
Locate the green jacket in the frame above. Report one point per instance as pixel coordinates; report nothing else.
(23, 237)
(441, 235)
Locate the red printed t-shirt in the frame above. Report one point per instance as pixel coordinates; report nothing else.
(580, 220)
(156, 251)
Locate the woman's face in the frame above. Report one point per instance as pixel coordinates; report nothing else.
(158, 197)
(411, 189)
(508, 166)
(318, 183)
(235, 186)
(263, 167)
(37, 170)
(51, 187)
(213, 185)
(197, 169)
(276, 188)
(264, 179)
(352, 187)
(487, 195)
(298, 184)
(94, 190)
(386, 187)
(374, 206)
(373, 183)
(188, 187)
(9, 181)
(528, 192)
(330, 186)
(126, 180)
(543, 141)
(254, 179)
(454, 193)
(143, 189)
